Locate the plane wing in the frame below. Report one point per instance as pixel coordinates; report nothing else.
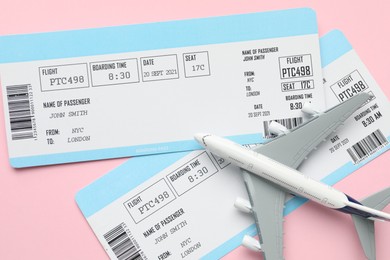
(267, 199)
(291, 149)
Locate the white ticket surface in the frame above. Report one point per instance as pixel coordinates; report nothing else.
(180, 206)
(146, 89)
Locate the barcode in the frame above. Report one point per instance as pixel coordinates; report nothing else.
(121, 244)
(20, 115)
(367, 146)
(289, 123)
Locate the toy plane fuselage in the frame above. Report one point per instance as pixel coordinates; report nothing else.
(287, 178)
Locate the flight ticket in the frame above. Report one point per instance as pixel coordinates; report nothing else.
(180, 205)
(145, 89)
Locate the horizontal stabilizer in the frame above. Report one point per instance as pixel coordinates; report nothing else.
(366, 231)
(378, 200)
(364, 227)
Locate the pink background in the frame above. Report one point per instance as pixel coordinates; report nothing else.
(39, 218)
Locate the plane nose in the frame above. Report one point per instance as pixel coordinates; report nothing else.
(199, 137)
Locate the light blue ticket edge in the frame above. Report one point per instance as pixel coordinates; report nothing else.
(333, 45)
(162, 35)
(115, 184)
(142, 37)
(118, 152)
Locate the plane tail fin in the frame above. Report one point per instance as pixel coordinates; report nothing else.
(365, 227)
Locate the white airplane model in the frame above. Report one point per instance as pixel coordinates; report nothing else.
(270, 173)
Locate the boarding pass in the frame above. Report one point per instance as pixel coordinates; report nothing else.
(145, 89)
(180, 206)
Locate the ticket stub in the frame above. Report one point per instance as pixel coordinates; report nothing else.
(176, 206)
(145, 89)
